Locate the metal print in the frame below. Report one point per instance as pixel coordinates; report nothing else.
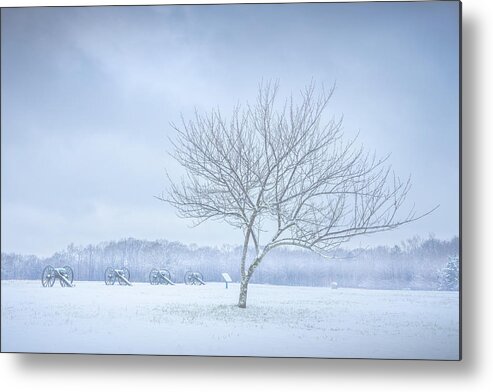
(232, 180)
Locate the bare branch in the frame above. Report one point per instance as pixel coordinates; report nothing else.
(286, 172)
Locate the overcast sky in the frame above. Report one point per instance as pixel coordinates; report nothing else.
(88, 95)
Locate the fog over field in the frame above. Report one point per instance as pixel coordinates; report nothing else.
(417, 263)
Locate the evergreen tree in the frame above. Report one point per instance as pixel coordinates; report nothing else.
(449, 275)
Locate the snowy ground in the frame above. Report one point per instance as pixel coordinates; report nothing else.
(203, 320)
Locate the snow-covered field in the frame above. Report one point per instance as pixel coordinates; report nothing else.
(203, 320)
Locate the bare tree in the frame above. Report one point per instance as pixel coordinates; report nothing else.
(284, 177)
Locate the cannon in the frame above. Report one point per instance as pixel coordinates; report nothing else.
(160, 276)
(64, 274)
(193, 278)
(111, 275)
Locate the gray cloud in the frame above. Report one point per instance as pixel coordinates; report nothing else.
(88, 95)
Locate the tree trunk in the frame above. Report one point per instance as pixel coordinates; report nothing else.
(243, 291)
(246, 278)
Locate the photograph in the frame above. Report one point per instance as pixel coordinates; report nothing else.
(233, 180)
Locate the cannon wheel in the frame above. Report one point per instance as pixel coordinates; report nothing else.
(188, 279)
(48, 276)
(154, 276)
(109, 276)
(126, 274)
(69, 272)
(166, 273)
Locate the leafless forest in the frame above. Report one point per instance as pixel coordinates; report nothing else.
(414, 264)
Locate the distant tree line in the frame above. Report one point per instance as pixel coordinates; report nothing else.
(417, 263)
